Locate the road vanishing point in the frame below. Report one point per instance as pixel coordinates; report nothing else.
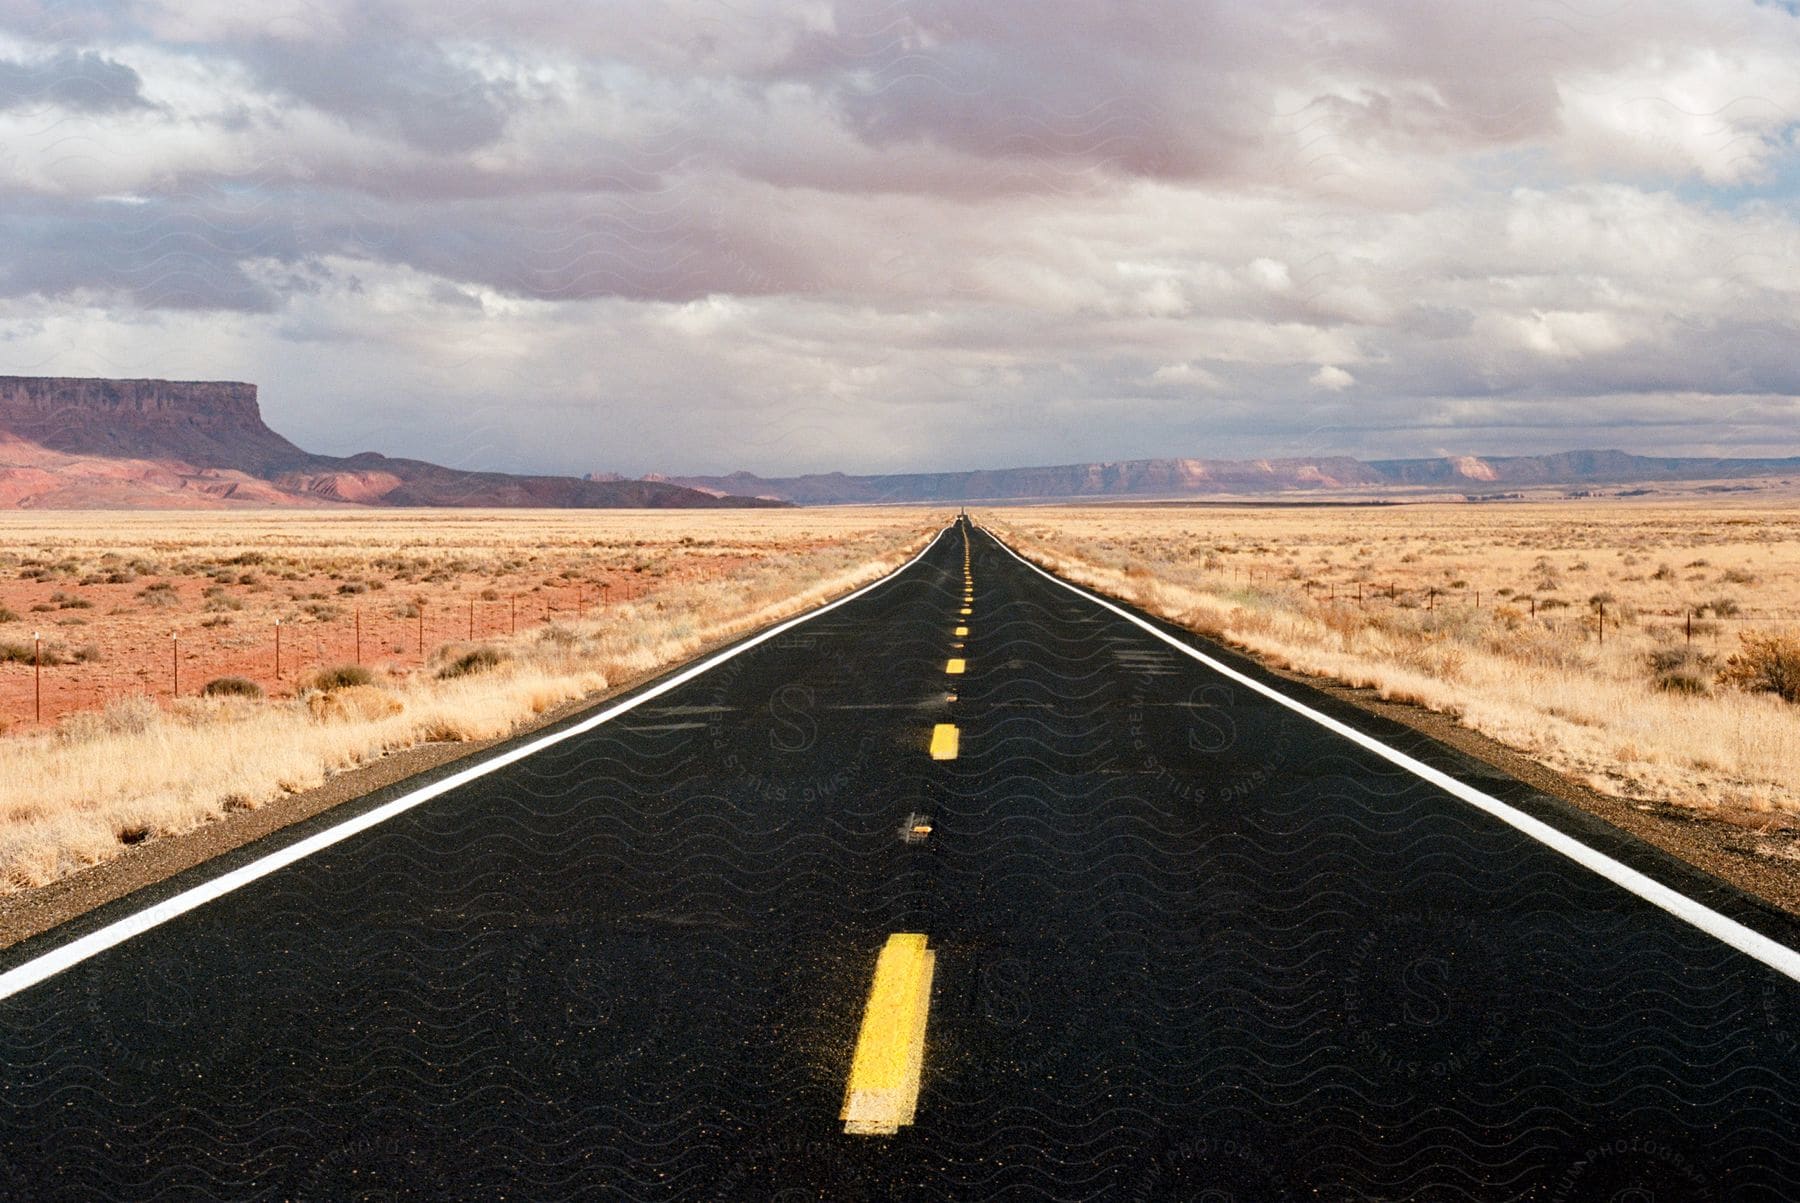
(971, 885)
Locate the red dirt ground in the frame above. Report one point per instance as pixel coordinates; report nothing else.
(136, 654)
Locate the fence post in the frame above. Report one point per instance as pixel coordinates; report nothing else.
(175, 665)
(278, 649)
(37, 673)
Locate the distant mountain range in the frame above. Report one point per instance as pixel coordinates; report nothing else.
(1170, 478)
(97, 443)
(82, 442)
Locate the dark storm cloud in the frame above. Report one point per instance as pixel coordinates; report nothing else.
(84, 82)
(411, 90)
(182, 254)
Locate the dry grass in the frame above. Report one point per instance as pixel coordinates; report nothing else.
(101, 779)
(1496, 616)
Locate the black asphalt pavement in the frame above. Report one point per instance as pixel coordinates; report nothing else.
(1190, 945)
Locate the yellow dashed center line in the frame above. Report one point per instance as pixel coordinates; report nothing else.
(945, 739)
(955, 666)
(883, 1092)
(965, 611)
(962, 631)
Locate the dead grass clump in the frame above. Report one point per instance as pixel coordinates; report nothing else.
(353, 704)
(1681, 670)
(18, 652)
(122, 716)
(1768, 662)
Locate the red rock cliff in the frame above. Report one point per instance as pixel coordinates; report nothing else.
(206, 423)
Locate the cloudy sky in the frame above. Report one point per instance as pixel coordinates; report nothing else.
(796, 235)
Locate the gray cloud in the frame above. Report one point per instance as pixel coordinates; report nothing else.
(84, 82)
(782, 235)
(413, 91)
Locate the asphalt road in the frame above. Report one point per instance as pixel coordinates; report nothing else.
(1189, 944)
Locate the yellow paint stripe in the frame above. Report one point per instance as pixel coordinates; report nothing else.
(962, 630)
(955, 667)
(945, 740)
(883, 1092)
(965, 611)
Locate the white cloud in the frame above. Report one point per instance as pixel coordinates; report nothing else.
(1331, 378)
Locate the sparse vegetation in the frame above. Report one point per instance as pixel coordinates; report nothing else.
(147, 765)
(1658, 711)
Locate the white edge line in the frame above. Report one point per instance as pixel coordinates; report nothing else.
(1772, 953)
(48, 964)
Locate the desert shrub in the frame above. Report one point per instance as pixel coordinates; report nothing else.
(161, 595)
(231, 687)
(24, 652)
(1681, 670)
(340, 676)
(1721, 607)
(1768, 662)
(349, 588)
(87, 653)
(475, 660)
(323, 611)
(1737, 576)
(7, 615)
(555, 634)
(1663, 573)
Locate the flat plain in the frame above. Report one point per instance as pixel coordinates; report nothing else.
(162, 704)
(1637, 648)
